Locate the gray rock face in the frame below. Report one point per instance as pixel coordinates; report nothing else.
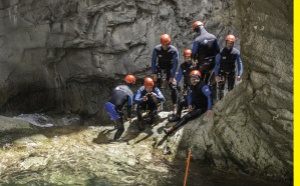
(252, 128)
(68, 55)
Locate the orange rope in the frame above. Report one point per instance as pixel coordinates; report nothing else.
(187, 167)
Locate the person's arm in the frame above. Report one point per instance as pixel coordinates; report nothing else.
(217, 67)
(195, 50)
(179, 75)
(216, 46)
(153, 61)
(129, 105)
(189, 100)
(206, 91)
(189, 97)
(159, 95)
(138, 97)
(175, 63)
(240, 65)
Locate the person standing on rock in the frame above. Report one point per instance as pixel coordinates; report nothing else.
(199, 101)
(148, 97)
(184, 71)
(121, 95)
(205, 48)
(226, 64)
(164, 65)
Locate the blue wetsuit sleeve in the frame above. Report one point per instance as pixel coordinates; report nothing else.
(138, 97)
(153, 61)
(240, 65)
(175, 63)
(217, 47)
(189, 97)
(195, 49)
(129, 105)
(179, 75)
(207, 93)
(160, 96)
(218, 61)
(130, 100)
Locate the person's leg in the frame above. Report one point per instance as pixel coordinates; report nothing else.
(191, 115)
(182, 103)
(120, 128)
(111, 111)
(231, 80)
(152, 106)
(213, 86)
(139, 110)
(222, 85)
(159, 81)
(173, 91)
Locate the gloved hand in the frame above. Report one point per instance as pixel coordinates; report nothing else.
(153, 95)
(145, 98)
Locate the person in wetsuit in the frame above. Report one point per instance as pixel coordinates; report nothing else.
(164, 64)
(148, 97)
(225, 69)
(205, 48)
(184, 71)
(121, 95)
(199, 101)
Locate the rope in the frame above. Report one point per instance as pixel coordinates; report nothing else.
(187, 167)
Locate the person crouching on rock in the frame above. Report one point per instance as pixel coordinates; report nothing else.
(121, 95)
(199, 101)
(149, 98)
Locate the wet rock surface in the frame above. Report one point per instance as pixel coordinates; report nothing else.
(85, 155)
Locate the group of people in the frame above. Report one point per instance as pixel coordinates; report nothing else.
(205, 71)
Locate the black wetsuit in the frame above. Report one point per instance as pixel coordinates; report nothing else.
(121, 95)
(164, 63)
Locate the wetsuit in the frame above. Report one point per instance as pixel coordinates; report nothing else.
(199, 97)
(121, 95)
(205, 48)
(164, 63)
(225, 68)
(151, 104)
(184, 71)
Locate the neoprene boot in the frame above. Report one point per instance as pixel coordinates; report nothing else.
(120, 128)
(168, 130)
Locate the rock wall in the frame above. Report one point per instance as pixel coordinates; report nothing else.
(252, 127)
(68, 55)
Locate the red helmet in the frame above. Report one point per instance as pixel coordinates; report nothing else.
(187, 53)
(165, 39)
(130, 79)
(195, 73)
(230, 38)
(148, 82)
(196, 24)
